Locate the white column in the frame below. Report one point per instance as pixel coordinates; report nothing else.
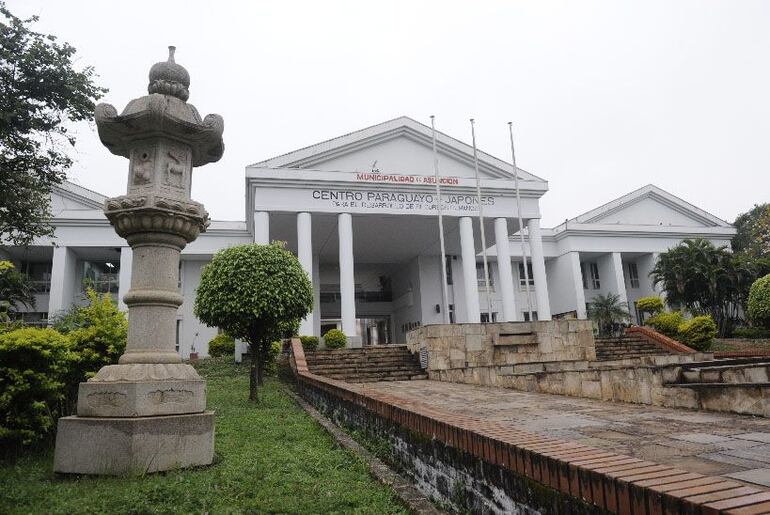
(468, 252)
(502, 244)
(577, 278)
(620, 281)
(63, 270)
(305, 257)
(124, 278)
(538, 269)
(347, 278)
(261, 227)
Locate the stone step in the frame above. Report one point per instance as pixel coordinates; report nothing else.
(354, 369)
(728, 374)
(374, 380)
(338, 358)
(384, 363)
(373, 376)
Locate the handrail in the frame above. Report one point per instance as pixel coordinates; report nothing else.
(661, 339)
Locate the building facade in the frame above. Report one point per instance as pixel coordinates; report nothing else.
(360, 212)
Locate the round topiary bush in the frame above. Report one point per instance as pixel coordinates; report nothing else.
(335, 339)
(698, 332)
(33, 383)
(221, 345)
(652, 305)
(759, 302)
(309, 343)
(666, 323)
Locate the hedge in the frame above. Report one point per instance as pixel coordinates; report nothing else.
(335, 339)
(221, 345)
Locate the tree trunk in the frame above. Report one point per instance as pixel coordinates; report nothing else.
(253, 372)
(260, 366)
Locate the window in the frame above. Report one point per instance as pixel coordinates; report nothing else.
(583, 275)
(523, 278)
(449, 280)
(595, 283)
(534, 316)
(39, 275)
(485, 317)
(451, 313)
(480, 277)
(178, 333)
(633, 275)
(102, 276)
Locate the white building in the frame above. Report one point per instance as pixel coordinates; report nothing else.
(360, 211)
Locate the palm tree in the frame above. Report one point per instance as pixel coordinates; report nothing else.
(606, 311)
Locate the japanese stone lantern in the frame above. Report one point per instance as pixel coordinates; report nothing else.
(147, 413)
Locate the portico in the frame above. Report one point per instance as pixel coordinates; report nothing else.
(367, 234)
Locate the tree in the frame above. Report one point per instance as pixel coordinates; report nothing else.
(759, 302)
(256, 293)
(41, 94)
(606, 311)
(15, 290)
(753, 232)
(707, 280)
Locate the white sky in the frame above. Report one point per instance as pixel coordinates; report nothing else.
(606, 96)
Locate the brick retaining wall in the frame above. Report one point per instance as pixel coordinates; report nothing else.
(504, 469)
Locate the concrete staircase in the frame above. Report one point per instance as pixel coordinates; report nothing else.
(628, 346)
(369, 364)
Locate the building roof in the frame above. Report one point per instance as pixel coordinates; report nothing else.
(308, 157)
(653, 192)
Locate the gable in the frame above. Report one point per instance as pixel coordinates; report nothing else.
(651, 211)
(69, 198)
(401, 145)
(401, 155)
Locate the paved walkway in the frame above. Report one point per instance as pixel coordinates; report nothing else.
(734, 446)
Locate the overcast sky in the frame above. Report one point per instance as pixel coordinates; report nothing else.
(606, 96)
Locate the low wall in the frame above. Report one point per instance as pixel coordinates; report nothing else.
(508, 345)
(487, 467)
(558, 357)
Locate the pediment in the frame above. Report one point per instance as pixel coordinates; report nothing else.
(651, 205)
(69, 197)
(399, 146)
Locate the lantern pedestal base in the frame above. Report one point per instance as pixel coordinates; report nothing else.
(133, 446)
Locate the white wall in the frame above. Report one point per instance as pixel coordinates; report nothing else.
(406, 303)
(191, 276)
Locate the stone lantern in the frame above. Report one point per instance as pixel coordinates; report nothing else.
(148, 412)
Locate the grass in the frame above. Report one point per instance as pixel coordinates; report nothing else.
(270, 458)
(744, 345)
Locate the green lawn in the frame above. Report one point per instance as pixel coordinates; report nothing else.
(271, 458)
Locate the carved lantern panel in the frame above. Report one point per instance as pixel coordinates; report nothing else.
(161, 166)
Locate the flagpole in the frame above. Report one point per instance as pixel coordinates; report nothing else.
(521, 222)
(444, 293)
(481, 223)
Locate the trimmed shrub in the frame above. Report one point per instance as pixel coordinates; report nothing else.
(666, 323)
(309, 343)
(221, 345)
(759, 302)
(652, 305)
(753, 333)
(33, 376)
(698, 332)
(97, 334)
(335, 339)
